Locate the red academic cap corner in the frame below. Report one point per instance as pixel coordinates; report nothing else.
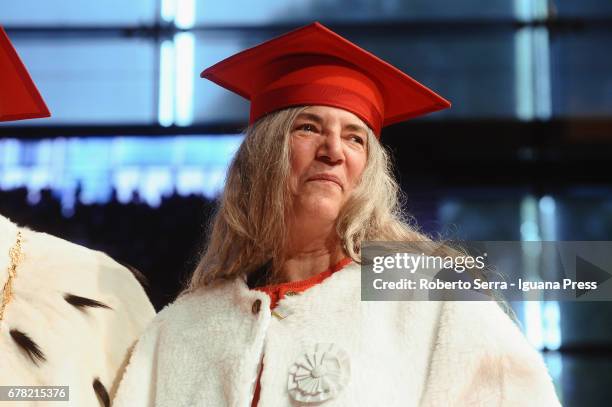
(19, 98)
(315, 66)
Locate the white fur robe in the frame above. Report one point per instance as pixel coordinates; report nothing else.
(205, 350)
(79, 344)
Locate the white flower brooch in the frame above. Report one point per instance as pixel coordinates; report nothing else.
(319, 374)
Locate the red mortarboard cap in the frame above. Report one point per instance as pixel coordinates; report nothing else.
(315, 66)
(19, 98)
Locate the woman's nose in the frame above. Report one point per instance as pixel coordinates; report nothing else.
(331, 147)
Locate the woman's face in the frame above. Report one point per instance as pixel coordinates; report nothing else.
(328, 156)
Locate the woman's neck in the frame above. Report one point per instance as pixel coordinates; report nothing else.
(306, 265)
(310, 251)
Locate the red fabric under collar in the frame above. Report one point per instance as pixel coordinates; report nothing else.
(278, 291)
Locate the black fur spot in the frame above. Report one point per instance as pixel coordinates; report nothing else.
(28, 346)
(82, 302)
(101, 392)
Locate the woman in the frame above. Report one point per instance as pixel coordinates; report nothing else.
(273, 314)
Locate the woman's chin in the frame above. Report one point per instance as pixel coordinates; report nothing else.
(321, 209)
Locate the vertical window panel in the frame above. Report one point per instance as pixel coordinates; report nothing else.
(581, 66)
(582, 8)
(77, 12)
(279, 11)
(93, 80)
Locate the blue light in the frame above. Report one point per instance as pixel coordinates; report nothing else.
(532, 69)
(167, 92)
(168, 10)
(552, 325)
(184, 46)
(152, 167)
(185, 14)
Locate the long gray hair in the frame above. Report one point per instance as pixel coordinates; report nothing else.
(250, 225)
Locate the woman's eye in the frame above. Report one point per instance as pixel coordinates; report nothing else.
(307, 127)
(357, 139)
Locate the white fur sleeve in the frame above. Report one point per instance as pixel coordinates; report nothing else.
(138, 384)
(481, 358)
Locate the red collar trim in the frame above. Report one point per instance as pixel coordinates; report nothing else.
(277, 291)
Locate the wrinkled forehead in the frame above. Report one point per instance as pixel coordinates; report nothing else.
(327, 113)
